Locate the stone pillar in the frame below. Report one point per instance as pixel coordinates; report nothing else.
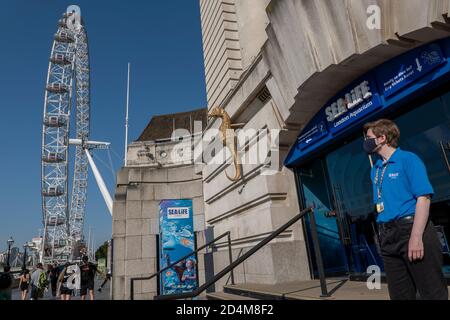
(136, 223)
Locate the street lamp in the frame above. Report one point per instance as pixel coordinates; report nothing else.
(25, 247)
(10, 243)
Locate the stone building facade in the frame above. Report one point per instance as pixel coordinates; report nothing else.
(157, 169)
(274, 64)
(271, 64)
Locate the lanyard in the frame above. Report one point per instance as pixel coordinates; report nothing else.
(380, 184)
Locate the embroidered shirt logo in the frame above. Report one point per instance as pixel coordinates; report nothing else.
(393, 175)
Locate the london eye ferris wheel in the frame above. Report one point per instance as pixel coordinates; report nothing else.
(68, 84)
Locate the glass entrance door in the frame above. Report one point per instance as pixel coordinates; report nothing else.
(317, 194)
(349, 175)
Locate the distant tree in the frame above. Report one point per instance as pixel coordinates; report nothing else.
(102, 251)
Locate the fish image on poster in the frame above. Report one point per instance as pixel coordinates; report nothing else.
(177, 239)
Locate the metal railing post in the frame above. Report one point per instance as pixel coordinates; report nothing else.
(230, 256)
(132, 289)
(318, 254)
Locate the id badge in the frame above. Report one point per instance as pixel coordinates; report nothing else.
(380, 207)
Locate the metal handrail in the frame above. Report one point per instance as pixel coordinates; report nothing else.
(239, 255)
(256, 248)
(226, 234)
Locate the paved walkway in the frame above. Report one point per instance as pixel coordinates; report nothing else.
(104, 295)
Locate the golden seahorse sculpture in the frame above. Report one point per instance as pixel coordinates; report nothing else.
(229, 138)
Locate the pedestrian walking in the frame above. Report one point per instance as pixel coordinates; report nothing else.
(38, 282)
(6, 283)
(24, 283)
(53, 276)
(88, 271)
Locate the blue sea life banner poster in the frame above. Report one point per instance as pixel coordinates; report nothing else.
(176, 230)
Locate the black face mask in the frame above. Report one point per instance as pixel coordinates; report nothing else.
(370, 145)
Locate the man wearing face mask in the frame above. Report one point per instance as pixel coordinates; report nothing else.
(402, 192)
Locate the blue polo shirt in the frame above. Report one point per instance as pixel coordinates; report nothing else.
(404, 181)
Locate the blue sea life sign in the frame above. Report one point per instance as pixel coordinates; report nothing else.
(385, 88)
(394, 77)
(176, 225)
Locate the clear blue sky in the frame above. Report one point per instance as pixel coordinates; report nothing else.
(161, 39)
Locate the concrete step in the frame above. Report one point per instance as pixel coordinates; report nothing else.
(252, 291)
(226, 296)
(340, 289)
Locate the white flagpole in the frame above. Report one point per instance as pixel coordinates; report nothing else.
(126, 116)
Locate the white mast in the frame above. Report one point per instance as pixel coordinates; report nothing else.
(126, 116)
(92, 247)
(89, 242)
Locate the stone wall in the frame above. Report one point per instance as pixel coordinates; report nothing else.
(252, 21)
(136, 223)
(222, 55)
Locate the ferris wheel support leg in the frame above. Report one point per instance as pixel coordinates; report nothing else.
(44, 239)
(101, 184)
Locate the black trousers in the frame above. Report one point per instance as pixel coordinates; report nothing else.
(54, 287)
(407, 279)
(34, 293)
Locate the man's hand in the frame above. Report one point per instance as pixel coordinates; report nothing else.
(415, 248)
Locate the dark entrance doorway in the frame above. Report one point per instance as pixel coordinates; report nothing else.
(317, 194)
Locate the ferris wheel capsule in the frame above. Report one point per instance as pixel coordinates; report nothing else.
(57, 88)
(62, 23)
(53, 157)
(60, 59)
(53, 191)
(64, 36)
(59, 244)
(54, 121)
(56, 221)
